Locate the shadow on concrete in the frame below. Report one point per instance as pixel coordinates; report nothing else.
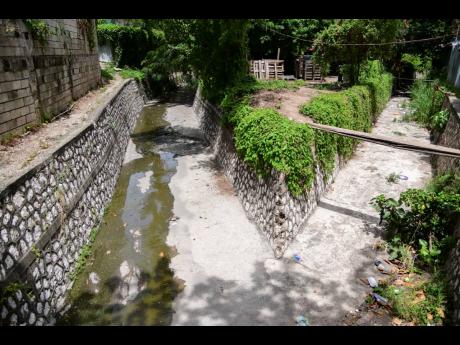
(276, 296)
(349, 212)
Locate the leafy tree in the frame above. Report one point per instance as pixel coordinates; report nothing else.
(432, 54)
(219, 54)
(334, 43)
(290, 35)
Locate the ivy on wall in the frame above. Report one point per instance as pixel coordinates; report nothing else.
(267, 140)
(86, 27)
(38, 29)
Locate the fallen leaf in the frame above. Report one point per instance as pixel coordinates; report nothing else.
(396, 321)
(440, 313)
(419, 297)
(398, 282)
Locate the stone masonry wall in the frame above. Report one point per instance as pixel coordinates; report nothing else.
(41, 79)
(451, 138)
(47, 215)
(267, 202)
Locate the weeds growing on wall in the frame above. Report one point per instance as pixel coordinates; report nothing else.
(354, 108)
(38, 28)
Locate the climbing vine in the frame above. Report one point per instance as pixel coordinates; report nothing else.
(86, 27)
(38, 29)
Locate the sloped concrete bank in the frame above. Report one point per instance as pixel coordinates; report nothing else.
(276, 212)
(48, 214)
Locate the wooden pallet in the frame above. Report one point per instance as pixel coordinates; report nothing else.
(267, 69)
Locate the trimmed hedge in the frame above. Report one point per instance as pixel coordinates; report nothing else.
(355, 108)
(268, 140)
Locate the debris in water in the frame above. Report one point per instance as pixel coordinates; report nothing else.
(372, 282)
(108, 252)
(302, 321)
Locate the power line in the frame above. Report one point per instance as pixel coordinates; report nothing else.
(363, 44)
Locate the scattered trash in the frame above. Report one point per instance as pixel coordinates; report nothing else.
(108, 252)
(161, 254)
(372, 282)
(377, 262)
(297, 258)
(379, 299)
(382, 266)
(302, 321)
(403, 177)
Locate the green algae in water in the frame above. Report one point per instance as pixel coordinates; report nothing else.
(131, 241)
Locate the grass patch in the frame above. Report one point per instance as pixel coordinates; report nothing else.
(421, 300)
(392, 178)
(127, 73)
(426, 105)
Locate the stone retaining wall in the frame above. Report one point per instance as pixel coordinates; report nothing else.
(267, 201)
(451, 137)
(48, 214)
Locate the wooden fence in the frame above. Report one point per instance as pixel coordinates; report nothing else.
(267, 69)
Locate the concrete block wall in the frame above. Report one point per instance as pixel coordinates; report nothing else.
(42, 78)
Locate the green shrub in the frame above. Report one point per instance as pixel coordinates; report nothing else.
(448, 182)
(268, 140)
(130, 44)
(426, 105)
(355, 108)
(127, 73)
(108, 72)
(421, 219)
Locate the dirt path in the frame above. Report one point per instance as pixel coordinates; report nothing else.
(231, 277)
(286, 102)
(28, 150)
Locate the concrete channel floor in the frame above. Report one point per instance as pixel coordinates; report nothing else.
(230, 274)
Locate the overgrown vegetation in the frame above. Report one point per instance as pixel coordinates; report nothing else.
(419, 233)
(355, 108)
(419, 300)
(267, 140)
(426, 105)
(38, 28)
(130, 44)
